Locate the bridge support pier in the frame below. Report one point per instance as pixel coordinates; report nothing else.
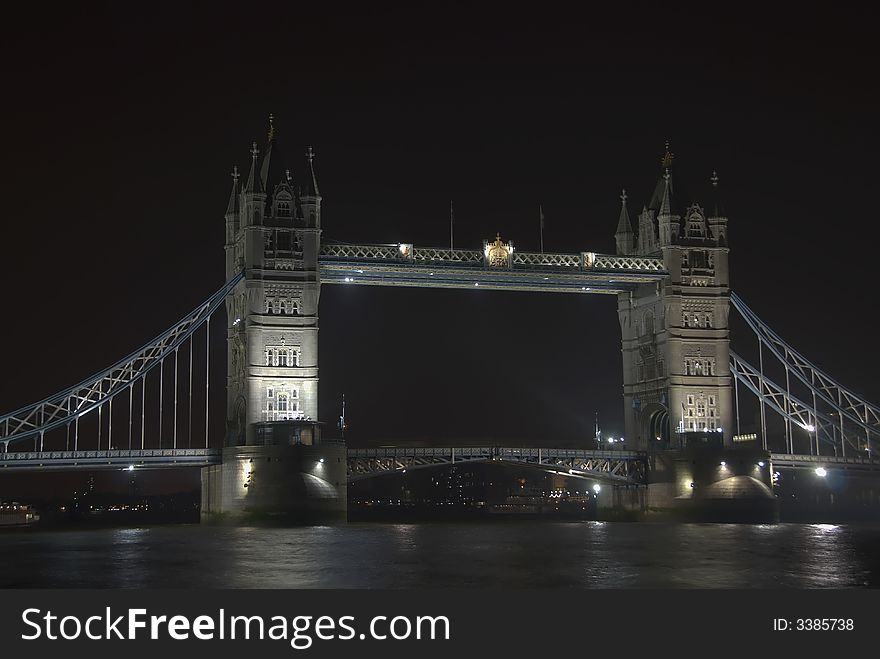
(281, 484)
(712, 483)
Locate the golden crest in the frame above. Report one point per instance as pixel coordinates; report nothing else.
(498, 253)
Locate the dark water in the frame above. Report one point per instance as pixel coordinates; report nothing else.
(527, 554)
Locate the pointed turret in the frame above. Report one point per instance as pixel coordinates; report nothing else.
(234, 205)
(717, 218)
(233, 208)
(254, 195)
(273, 170)
(663, 191)
(624, 236)
(312, 183)
(667, 215)
(717, 209)
(275, 177)
(254, 182)
(311, 199)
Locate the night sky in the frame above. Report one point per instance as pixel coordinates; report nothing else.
(120, 129)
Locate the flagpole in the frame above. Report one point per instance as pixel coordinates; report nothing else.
(451, 219)
(541, 216)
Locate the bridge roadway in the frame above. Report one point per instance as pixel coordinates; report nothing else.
(624, 467)
(403, 264)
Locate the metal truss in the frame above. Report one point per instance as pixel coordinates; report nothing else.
(638, 263)
(846, 404)
(455, 256)
(407, 253)
(624, 467)
(66, 406)
(811, 462)
(575, 261)
(118, 459)
(379, 252)
(782, 402)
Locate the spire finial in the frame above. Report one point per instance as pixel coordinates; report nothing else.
(310, 154)
(287, 175)
(254, 151)
(235, 174)
(666, 160)
(271, 127)
(714, 179)
(623, 195)
(666, 174)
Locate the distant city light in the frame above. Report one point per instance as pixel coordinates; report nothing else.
(321, 460)
(130, 467)
(760, 464)
(723, 463)
(596, 488)
(820, 472)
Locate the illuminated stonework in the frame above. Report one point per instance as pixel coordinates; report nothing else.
(675, 334)
(498, 253)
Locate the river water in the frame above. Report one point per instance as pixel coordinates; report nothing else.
(535, 554)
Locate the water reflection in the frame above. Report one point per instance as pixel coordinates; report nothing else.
(519, 555)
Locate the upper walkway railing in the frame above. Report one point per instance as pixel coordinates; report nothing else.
(407, 265)
(111, 459)
(408, 253)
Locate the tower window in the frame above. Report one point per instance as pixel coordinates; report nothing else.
(282, 356)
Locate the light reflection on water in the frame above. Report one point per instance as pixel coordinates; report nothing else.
(519, 555)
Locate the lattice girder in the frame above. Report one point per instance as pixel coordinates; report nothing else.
(849, 405)
(65, 406)
(782, 402)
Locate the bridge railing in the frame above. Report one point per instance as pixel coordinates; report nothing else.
(402, 253)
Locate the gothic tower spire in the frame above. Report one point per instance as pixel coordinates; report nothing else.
(311, 200)
(624, 236)
(254, 182)
(717, 220)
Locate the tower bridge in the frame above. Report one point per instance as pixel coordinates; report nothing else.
(683, 386)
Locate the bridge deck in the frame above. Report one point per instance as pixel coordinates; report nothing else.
(794, 461)
(406, 265)
(118, 459)
(626, 467)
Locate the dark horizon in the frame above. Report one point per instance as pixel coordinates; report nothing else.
(123, 128)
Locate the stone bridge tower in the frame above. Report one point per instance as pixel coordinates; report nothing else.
(275, 463)
(273, 233)
(676, 375)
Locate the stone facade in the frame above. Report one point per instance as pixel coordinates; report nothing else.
(275, 465)
(273, 233)
(675, 334)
